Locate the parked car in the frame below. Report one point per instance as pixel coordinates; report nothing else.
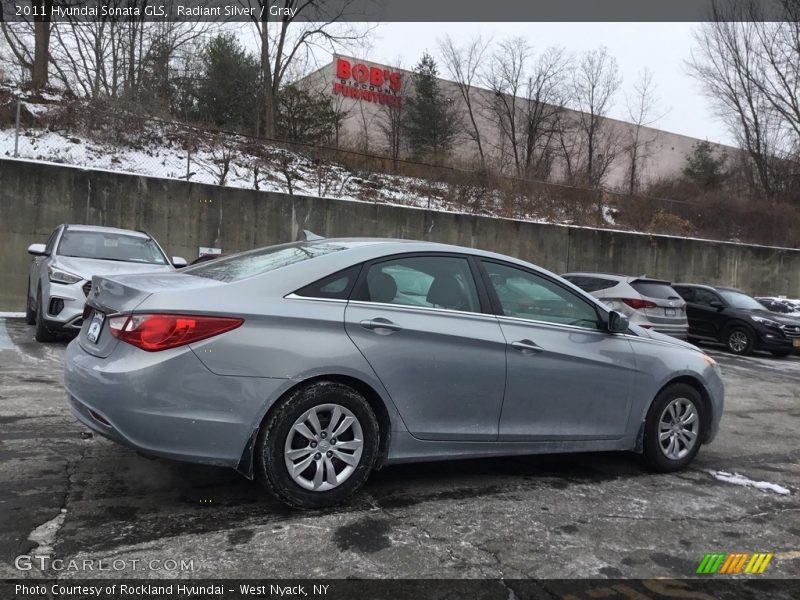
(649, 303)
(61, 273)
(308, 365)
(742, 323)
(786, 306)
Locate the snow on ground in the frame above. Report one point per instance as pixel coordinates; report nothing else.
(737, 479)
(159, 152)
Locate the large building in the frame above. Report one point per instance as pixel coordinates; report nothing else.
(371, 96)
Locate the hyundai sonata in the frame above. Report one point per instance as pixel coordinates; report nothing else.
(308, 365)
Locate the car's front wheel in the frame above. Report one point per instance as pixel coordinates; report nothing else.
(43, 332)
(740, 340)
(673, 428)
(30, 314)
(318, 446)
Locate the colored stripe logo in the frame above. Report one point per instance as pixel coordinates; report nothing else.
(723, 563)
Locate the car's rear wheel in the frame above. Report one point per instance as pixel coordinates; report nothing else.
(43, 332)
(30, 314)
(740, 340)
(318, 446)
(673, 429)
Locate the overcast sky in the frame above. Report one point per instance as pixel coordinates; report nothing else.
(664, 48)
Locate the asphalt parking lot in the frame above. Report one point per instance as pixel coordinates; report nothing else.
(70, 495)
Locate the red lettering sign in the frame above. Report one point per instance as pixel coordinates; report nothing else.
(373, 84)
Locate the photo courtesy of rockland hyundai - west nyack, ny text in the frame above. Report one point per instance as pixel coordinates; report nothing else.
(393, 299)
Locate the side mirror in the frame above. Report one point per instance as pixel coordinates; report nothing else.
(178, 262)
(716, 304)
(37, 250)
(617, 322)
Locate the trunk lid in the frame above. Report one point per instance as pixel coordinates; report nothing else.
(112, 295)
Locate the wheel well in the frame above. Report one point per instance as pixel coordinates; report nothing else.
(704, 398)
(245, 466)
(734, 324)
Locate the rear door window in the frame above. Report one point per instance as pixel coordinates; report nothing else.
(422, 281)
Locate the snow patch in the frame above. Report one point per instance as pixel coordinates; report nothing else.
(737, 479)
(45, 535)
(11, 315)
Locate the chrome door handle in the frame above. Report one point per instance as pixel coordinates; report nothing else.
(379, 323)
(527, 347)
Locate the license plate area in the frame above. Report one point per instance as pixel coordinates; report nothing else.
(671, 312)
(95, 326)
(796, 343)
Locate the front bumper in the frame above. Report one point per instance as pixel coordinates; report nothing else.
(769, 339)
(63, 304)
(167, 404)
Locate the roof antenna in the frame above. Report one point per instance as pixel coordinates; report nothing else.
(310, 236)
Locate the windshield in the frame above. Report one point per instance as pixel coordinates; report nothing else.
(259, 261)
(740, 300)
(110, 246)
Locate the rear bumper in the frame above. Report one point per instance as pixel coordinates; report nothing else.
(167, 404)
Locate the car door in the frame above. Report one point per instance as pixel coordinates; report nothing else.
(568, 378)
(704, 310)
(419, 322)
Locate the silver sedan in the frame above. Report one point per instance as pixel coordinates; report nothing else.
(308, 365)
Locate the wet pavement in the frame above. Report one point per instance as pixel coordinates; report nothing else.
(98, 509)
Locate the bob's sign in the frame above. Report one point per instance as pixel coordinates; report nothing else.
(362, 82)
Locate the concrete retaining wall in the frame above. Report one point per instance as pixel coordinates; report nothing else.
(36, 197)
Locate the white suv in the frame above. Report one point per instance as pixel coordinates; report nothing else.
(649, 303)
(62, 268)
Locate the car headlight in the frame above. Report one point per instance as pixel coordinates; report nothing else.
(59, 276)
(766, 322)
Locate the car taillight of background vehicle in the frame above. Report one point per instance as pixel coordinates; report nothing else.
(154, 332)
(638, 304)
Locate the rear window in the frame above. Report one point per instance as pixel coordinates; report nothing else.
(257, 262)
(591, 284)
(653, 289)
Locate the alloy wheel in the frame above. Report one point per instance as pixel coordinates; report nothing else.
(738, 341)
(323, 447)
(678, 428)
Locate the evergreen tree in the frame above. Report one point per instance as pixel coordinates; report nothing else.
(704, 169)
(228, 94)
(306, 117)
(431, 121)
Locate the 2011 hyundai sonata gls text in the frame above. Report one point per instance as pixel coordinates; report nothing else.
(307, 365)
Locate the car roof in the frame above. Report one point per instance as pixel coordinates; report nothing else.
(103, 229)
(714, 288)
(617, 277)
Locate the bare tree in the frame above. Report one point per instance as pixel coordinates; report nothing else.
(595, 82)
(641, 105)
(750, 68)
(462, 64)
(527, 99)
(390, 122)
(305, 27)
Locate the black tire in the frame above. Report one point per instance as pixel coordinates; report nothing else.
(781, 353)
(739, 340)
(655, 457)
(271, 470)
(43, 332)
(30, 314)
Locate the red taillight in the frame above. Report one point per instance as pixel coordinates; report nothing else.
(156, 332)
(638, 304)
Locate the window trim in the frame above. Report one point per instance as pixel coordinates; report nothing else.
(358, 293)
(602, 317)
